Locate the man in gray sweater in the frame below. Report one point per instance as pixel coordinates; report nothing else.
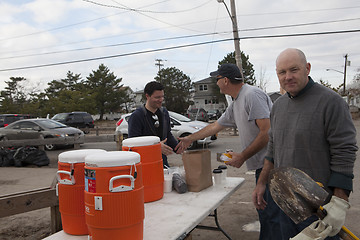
(311, 130)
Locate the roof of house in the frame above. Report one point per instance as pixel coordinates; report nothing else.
(205, 80)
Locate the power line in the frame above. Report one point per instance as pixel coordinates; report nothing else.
(180, 37)
(74, 24)
(147, 11)
(177, 47)
(96, 19)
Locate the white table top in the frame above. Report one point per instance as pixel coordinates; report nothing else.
(177, 214)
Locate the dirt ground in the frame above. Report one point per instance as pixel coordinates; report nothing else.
(237, 215)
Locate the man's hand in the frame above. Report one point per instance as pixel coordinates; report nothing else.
(237, 160)
(318, 230)
(258, 196)
(184, 143)
(165, 149)
(336, 213)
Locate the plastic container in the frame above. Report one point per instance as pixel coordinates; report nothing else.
(70, 189)
(168, 182)
(149, 148)
(217, 173)
(224, 171)
(114, 196)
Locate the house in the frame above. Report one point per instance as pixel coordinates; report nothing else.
(138, 100)
(274, 95)
(205, 95)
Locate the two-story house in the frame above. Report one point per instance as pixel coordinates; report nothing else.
(206, 95)
(206, 92)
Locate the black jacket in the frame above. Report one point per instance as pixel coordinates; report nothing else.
(140, 125)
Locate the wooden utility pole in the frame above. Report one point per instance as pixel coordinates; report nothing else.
(346, 63)
(159, 63)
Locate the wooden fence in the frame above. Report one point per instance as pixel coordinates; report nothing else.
(32, 200)
(76, 141)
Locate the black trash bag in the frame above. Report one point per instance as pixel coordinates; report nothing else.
(30, 156)
(7, 157)
(179, 183)
(18, 156)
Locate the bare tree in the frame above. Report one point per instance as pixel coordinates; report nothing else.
(262, 81)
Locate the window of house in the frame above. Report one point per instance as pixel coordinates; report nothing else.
(203, 87)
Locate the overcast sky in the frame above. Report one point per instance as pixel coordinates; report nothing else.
(191, 35)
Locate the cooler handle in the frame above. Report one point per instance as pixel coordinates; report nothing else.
(65, 181)
(121, 188)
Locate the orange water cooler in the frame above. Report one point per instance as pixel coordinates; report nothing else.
(114, 196)
(149, 148)
(70, 189)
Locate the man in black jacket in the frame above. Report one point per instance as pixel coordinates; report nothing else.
(153, 120)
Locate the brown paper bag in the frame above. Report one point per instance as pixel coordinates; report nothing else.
(197, 164)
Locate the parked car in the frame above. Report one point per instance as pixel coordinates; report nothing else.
(213, 114)
(6, 119)
(76, 119)
(197, 114)
(181, 126)
(40, 127)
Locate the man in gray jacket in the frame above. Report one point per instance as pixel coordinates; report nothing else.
(311, 130)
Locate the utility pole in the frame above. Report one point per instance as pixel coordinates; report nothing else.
(235, 34)
(158, 63)
(346, 63)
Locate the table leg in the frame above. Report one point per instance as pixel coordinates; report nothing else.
(217, 228)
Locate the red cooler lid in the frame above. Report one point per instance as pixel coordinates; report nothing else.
(141, 141)
(112, 159)
(77, 156)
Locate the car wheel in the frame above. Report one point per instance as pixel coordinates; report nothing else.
(192, 145)
(49, 147)
(86, 129)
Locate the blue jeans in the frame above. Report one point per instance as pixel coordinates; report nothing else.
(269, 217)
(275, 224)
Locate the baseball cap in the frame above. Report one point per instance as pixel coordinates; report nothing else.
(228, 70)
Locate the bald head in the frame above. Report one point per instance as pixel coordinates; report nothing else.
(293, 53)
(292, 70)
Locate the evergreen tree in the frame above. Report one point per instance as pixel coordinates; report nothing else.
(13, 98)
(248, 69)
(105, 89)
(177, 87)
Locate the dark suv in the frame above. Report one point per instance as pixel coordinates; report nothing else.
(6, 119)
(81, 120)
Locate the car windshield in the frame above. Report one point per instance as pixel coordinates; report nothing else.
(179, 117)
(46, 123)
(60, 116)
(212, 111)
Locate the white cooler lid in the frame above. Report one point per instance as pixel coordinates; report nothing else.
(77, 156)
(112, 159)
(141, 141)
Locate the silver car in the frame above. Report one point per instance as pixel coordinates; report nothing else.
(181, 126)
(40, 127)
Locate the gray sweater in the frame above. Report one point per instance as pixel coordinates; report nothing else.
(314, 132)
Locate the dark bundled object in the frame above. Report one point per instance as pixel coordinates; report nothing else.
(23, 156)
(179, 183)
(7, 157)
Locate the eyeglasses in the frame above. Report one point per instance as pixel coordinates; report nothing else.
(218, 78)
(156, 123)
